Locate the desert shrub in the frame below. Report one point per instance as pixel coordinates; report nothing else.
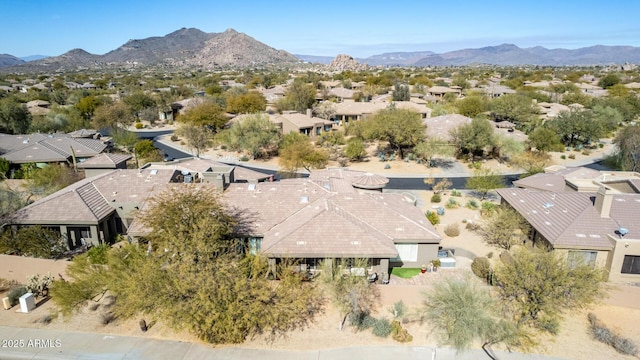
(611, 338)
(398, 333)
(481, 267)
(586, 152)
(244, 158)
(490, 255)
(452, 204)
(572, 156)
(472, 226)
(563, 157)
(399, 310)
(601, 145)
(174, 138)
(139, 126)
(455, 192)
(488, 208)
(435, 198)
(472, 204)
(381, 328)
(7, 284)
(107, 317)
(15, 293)
(452, 230)
(39, 285)
(98, 254)
(433, 217)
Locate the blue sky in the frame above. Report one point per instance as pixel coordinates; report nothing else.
(356, 27)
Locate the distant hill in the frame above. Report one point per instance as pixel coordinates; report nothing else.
(33, 57)
(9, 60)
(179, 48)
(505, 54)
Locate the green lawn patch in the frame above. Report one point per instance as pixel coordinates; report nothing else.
(405, 273)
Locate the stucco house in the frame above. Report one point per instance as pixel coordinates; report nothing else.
(590, 216)
(293, 121)
(44, 148)
(334, 213)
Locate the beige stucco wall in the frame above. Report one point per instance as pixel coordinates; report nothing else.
(426, 253)
(623, 247)
(601, 258)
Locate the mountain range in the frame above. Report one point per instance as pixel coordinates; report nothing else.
(193, 47)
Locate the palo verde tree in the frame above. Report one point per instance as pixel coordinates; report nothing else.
(538, 287)
(193, 275)
(483, 181)
(505, 228)
(401, 128)
(112, 116)
(297, 151)
(299, 96)
(462, 313)
(253, 133)
(627, 155)
(354, 297)
(207, 113)
(198, 138)
(14, 117)
(474, 138)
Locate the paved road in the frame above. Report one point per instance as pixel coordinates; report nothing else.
(59, 345)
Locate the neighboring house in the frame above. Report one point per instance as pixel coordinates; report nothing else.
(40, 148)
(494, 90)
(293, 121)
(441, 126)
(342, 94)
(590, 216)
(440, 91)
(350, 110)
(102, 163)
(38, 107)
(333, 213)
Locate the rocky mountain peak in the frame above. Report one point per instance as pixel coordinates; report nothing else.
(344, 62)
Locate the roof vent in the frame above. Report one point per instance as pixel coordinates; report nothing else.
(547, 205)
(622, 231)
(304, 199)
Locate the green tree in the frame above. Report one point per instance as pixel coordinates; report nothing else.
(325, 110)
(191, 275)
(355, 149)
(296, 151)
(505, 228)
(401, 128)
(251, 102)
(537, 287)
(49, 179)
(207, 113)
(14, 117)
(544, 139)
(401, 92)
(473, 138)
(609, 118)
(88, 105)
(198, 138)
(517, 108)
(354, 297)
(146, 150)
(618, 90)
(472, 106)
(532, 162)
(255, 134)
(300, 96)
(627, 155)
(462, 314)
(138, 101)
(609, 80)
(576, 127)
(112, 116)
(483, 181)
(33, 241)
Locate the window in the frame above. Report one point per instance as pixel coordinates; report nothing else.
(580, 257)
(631, 264)
(407, 252)
(254, 245)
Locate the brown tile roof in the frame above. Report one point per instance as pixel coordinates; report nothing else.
(440, 126)
(104, 161)
(565, 219)
(300, 217)
(47, 148)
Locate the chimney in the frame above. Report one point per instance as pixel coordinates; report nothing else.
(604, 198)
(309, 113)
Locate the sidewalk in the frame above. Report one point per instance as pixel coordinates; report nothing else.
(23, 343)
